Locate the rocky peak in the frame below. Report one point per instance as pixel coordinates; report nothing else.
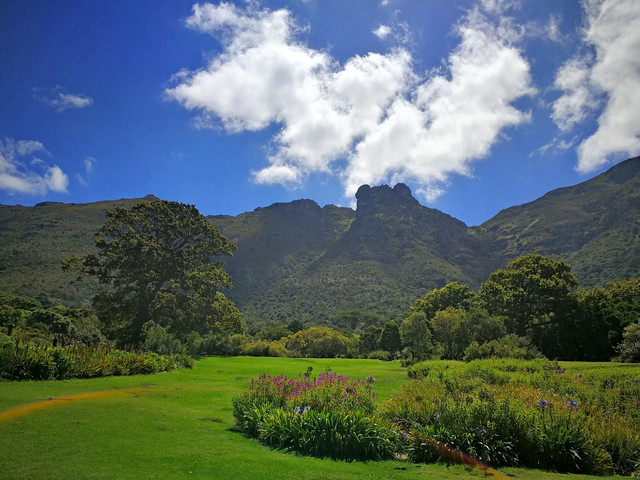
(296, 209)
(373, 199)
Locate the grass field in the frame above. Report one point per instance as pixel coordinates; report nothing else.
(179, 425)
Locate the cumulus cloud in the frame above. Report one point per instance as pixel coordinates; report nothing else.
(17, 178)
(382, 31)
(373, 113)
(60, 100)
(609, 74)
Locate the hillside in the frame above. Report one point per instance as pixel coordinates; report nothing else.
(301, 261)
(35, 240)
(595, 226)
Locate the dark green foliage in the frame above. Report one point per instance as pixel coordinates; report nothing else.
(156, 257)
(370, 339)
(33, 362)
(416, 336)
(355, 320)
(452, 295)
(509, 346)
(529, 288)
(159, 340)
(26, 319)
(330, 433)
(629, 348)
(390, 338)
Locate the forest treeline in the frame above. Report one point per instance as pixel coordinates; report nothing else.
(533, 307)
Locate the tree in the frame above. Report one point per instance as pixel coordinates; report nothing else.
(416, 336)
(390, 337)
(532, 287)
(370, 339)
(157, 258)
(452, 295)
(318, 342)
(445, 326)
(629, 348)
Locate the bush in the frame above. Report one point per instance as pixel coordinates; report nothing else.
(161, 341)
(330, 416)
(326, 432)
(34, 362)
(379, 355)
(509, 346)
(535, 411)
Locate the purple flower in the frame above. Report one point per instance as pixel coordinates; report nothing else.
(572, 404)
(528, 405)
(371, 379)
(542, 404)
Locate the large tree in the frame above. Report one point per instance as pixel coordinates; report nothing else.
(160, 259)
(534, 291)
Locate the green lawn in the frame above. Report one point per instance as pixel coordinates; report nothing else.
(179, 425)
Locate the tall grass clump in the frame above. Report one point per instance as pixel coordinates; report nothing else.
(524, 413)
(328, 416)
(26, 361)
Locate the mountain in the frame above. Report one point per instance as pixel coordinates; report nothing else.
(594, 226)
(35, 240)
(301, 261)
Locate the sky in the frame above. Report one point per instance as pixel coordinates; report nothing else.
(476, 105)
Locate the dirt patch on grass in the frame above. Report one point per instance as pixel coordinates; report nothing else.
(21, 410)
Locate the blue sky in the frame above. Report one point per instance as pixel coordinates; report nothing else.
(477, 105)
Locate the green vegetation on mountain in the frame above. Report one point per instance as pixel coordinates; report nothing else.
(299, 261)
(594, 226)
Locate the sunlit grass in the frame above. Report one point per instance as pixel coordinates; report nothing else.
(180, 425)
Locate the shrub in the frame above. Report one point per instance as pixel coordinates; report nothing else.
(509, 346)
(379, 355)
(327, 432)
(328, 416)
(161, 341)
(34, 362)
(542, 415)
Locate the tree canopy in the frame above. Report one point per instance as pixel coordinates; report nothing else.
(158, 259)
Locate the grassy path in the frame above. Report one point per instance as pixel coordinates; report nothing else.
(179, 425)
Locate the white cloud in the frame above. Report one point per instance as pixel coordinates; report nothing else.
(57, 98)
(579, 99)
(388, 122)
(89, 167)
(553, 28)
(382, 31)
(454, 118)
(611, 75)
(17, 178)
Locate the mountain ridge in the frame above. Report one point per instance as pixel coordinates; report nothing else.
(300, 260)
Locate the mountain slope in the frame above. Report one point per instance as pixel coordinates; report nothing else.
(301, 261)
(595, 226)
(35, 240)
